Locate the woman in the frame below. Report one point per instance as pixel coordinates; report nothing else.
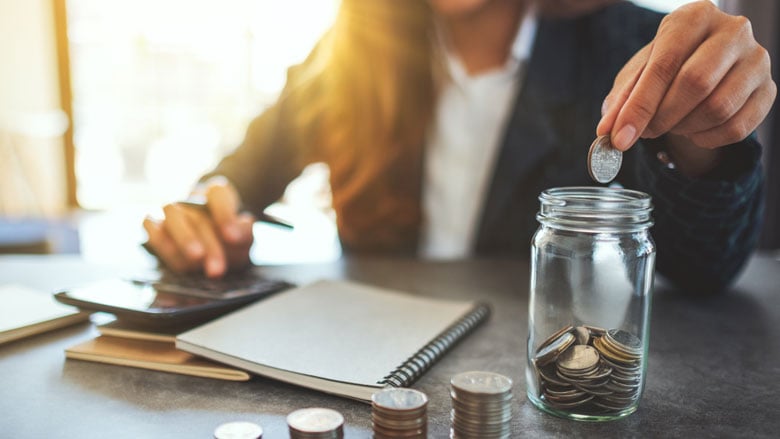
(442, 121)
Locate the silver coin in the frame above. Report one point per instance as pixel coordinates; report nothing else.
(625, 340)
(554, 337)
(583, 334)
(569, 404)
(597, 391)
(549, 376)
(609, 406)
(481, 382)
(572, 393)
(609, 352)
(315, 420)
(238, 430)
(604, 161)
(595, 331)
(384, 433)
(551, 351)
(578, 358)
(399, 399)
(396, 424)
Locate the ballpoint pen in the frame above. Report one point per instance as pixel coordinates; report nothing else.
(200, 203)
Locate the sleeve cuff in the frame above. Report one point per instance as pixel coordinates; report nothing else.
(738, 172)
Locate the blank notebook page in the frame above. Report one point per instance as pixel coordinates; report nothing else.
(336, 330)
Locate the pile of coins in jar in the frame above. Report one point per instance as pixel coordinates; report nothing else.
(586, 369)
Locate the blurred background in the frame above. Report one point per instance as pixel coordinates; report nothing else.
(110, 109)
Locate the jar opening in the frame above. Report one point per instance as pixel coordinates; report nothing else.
(595, 209)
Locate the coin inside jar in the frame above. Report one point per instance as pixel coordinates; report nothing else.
(551, 351)
(604, 160)
(579, 357)
(625, 340)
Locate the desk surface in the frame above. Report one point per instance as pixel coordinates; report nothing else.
(714, 363)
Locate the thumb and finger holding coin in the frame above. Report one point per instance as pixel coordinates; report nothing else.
(704, 77)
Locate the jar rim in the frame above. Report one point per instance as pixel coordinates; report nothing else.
(593, 208)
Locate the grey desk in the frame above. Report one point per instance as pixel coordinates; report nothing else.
(714, 365)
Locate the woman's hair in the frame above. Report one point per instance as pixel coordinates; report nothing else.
(363, 100)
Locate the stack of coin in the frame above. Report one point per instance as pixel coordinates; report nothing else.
(238, 430)
(622, 352)
(481, 405)
(399, 413)
(589, 369)
(315, 423)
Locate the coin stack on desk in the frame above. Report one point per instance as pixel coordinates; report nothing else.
(590, 369)
(315, 423)
(238, 430)
(399, 413)
(481, 405)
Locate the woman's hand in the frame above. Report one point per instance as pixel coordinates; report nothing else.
(190, 239)
(704, 79)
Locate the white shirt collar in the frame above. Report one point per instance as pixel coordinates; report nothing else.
(524, 40)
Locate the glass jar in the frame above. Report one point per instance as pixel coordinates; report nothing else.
(592, 261)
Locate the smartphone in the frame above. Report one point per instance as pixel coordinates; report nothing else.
(156, 304)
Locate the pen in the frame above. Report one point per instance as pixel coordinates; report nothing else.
(200, 204)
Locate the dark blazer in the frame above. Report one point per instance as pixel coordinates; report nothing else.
(704, 229)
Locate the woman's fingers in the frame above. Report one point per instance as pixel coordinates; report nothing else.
(674, 43)
(696, 80)
(704, 77)
(165, 248)
(214, 261)
(238, 253)
(224, 205)
(189, 238)
(624, 82)
(741, 124)
(180, 227)
(730, 96)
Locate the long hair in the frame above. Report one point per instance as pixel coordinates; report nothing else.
(363, 101)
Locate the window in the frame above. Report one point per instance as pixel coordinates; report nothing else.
(163, 88)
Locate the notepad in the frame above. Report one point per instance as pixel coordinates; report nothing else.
(339, 337)
(134, 331)
(153, 355)
(26, 312)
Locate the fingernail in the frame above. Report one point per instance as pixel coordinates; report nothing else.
(624, 138)
(214, 267)
(195, 249)
(604, 107)
(233, 232)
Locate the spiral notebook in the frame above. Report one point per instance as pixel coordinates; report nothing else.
(339, 337)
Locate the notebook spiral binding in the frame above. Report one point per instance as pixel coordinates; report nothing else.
(416, 365)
